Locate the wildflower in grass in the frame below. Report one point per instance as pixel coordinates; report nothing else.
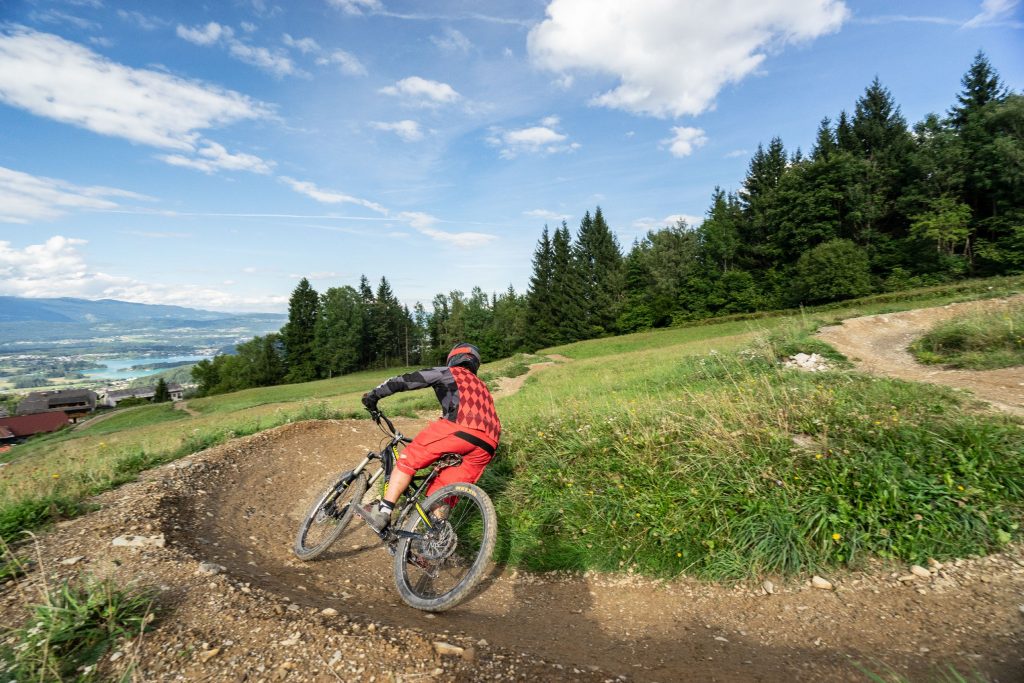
(57, 476)
(818, 456)
(836, 537)
(958, 488)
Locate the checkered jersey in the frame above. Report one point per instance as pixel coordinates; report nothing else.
(476, 407)
(464, 398)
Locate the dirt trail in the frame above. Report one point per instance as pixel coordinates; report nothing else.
(260, 616)
(878, 344)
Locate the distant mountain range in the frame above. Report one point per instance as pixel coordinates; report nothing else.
(70, 310)
(76, 326)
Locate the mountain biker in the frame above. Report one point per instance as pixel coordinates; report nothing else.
(468, 426)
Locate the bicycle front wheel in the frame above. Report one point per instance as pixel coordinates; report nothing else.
(329, 516)
(440, 566)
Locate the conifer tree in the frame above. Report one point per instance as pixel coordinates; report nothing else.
(719, 233)
(599, 266)
(846, 141)
(825, 142)
(339, 331)
(541, 319)
(566, 288)
(388, 325)
(981, 86)
(367, 341)
(161, 393)
(299, 332)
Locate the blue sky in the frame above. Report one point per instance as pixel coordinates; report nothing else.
(211, 154)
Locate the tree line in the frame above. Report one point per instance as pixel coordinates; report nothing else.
(876, 205)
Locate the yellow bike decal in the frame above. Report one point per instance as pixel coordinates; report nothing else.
(426, 519)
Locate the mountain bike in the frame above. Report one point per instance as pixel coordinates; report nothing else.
(441, 543)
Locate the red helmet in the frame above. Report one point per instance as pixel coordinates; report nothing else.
(466, 355)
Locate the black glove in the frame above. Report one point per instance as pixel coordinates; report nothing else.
(370, 401)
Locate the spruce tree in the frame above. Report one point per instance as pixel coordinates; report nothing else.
(541, 318)
(566, 288)
(161, 393)
(299, 332)
(981, 86)
(599, 266)
(825, 141)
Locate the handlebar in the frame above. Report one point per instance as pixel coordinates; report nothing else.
(388, 426)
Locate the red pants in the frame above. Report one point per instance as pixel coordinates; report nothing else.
(439, 438)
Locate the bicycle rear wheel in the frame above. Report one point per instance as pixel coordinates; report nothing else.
(329, 516)
(437, 570)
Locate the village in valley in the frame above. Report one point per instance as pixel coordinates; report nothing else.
(43, 412)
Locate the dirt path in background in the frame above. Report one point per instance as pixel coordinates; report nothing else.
(878, 345)
(258, 614)
(183, 405)
(510, 385)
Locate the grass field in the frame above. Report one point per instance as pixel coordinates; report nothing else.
(686, 450)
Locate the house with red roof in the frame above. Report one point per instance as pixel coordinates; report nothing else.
(24, 426)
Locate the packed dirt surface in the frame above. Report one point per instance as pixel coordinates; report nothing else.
(878, 344)
(235, 605)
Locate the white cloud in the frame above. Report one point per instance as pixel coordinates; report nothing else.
(409, 131)
(53, 16)
(671, 58)
(275, 62)
(645, 224)
(143, 21)
(993, 12)
(330, 196)
(736, 153)
(306, 46)
(550, 216)
(346, 61)
(58, 255)
(356, 7)
(422, 92)
(453, 40)
(204, 35)
(25, 198)
(531, 140)
(685, 140)
(424, 224)
(213, 157)
(67, 82)
(58, 268)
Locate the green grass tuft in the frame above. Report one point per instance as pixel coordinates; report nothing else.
(978, 341)
(72, 628)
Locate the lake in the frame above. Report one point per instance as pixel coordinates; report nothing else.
(117, 368)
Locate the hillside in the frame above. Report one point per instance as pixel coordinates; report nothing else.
(72, 310)
(737, 428)
(83, 325)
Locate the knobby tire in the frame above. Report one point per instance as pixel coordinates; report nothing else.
(318, 530)
(445, 573)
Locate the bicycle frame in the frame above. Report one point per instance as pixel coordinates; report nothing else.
(388, 455)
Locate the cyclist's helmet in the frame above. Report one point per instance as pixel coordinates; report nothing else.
(465, 355)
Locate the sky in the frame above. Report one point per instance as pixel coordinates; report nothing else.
(212, 154)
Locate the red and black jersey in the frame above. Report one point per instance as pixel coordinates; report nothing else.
(465, 399)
